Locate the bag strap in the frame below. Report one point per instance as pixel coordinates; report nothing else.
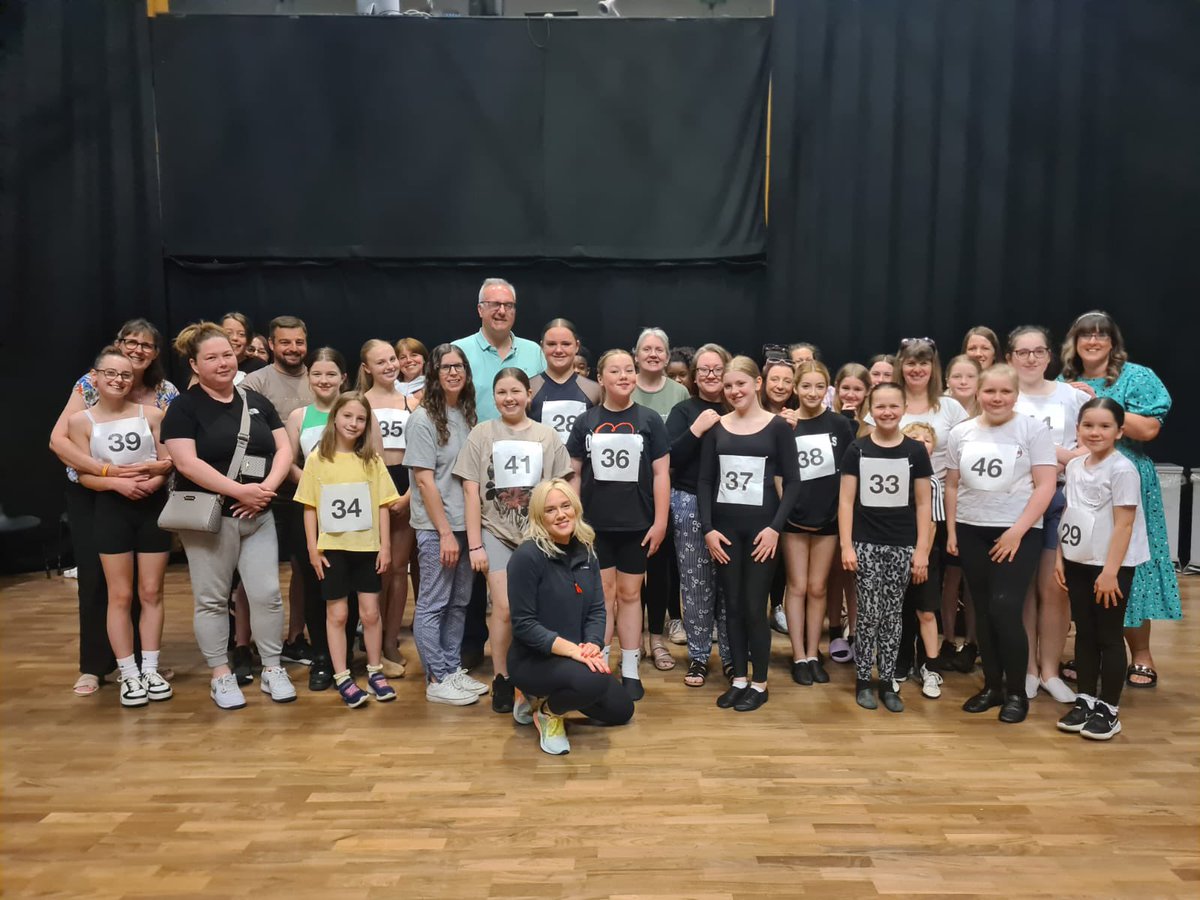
(243, 438)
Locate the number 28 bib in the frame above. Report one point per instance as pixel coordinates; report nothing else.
(516, 464)
(616, 457)
(882, 482)
(561, 415)
(985, 466)
(345, 507)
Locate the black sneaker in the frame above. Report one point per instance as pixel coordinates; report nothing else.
(964, 659)
(1103, 725)
(801, 673)
(1015, 709)
(297, 651)
(242, 664)
(503, 695)
(1077, 717)
(320, 676)
(945, 657)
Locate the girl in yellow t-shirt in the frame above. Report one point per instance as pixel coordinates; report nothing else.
(343, 486)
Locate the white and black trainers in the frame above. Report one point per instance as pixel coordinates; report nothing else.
(225, 692)
(133, 692)
(157, 687)
(274, 680)
(1078, 715)
(931, 683)
(1103, 725)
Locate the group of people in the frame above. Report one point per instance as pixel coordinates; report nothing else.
(547, 512)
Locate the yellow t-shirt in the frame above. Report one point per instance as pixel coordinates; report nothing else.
(346, 469)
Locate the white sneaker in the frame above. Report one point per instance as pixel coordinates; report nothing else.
(133, 692)
(779, 619)
(462, 680)
(274, 680)
(522, 710)
(226, 693)
(450, 693)
(675, 633)
(156, 686)
(1031, 686)
(931, 683)
(1057, 688)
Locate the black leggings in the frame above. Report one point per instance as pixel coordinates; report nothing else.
(746, 585)
(1099, 632)
(660, 592)
(998, 592)
(568, 685)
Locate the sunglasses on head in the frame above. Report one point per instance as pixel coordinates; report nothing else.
(906, 342)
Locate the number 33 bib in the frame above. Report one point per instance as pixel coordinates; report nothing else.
(883, 482)
(986, 466)
(345, 507)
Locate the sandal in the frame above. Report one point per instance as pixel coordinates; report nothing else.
(697, 674)
(86, 685)
(1144, 672)
(839, 651)
(663, 661)
(1066, 671)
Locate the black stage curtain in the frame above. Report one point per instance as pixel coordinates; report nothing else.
(938, 164)
(79, 232)
(323, 137)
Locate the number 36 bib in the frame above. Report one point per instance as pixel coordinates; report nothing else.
(616, 457)
(742, 479)
(345, 507)
(883, 482)
(985, 466)
(516, 463)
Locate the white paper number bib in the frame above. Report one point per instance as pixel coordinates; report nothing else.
(1052, 415)
(616, 457)
(882, 482)
(985, 466)
(309, 438)
(742, 479)
(561, 415)
(392, 423)
(1076, 533)
(345, 507)
(516, 463)
(814, 452)
(123, 442)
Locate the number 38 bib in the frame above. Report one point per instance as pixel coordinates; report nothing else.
(882, 482)
(742, 479)
(516, 464)
(616, 457)
(985, 466)
(814, 453)
(345, 507)
(1075, 532)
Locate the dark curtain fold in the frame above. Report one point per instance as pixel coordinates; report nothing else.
(938, 164)
(80, 248)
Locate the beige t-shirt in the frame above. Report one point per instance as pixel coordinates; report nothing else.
(507, 465)
(286, 392)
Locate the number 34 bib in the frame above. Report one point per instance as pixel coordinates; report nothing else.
(986, 466)
(345, 507)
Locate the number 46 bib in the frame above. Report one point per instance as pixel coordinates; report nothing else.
(986, 466)
(345, 507)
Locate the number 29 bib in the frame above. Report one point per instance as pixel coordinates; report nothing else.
(516, 464)
(616, 457)
(1076, 533)
(883, 482)
(986, 466)
(345, 507)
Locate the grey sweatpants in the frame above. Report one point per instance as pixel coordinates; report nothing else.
(441, 611)
(250, 547)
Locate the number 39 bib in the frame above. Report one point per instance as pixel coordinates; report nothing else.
(561, 415)
(882, 482)
(516, 463)
(391, 427)
(1075, 533)
(345, 507)
(814, 453)
(742, 479)
(616, 457)
(985, 466)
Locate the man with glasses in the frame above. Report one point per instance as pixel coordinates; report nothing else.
(494, 346)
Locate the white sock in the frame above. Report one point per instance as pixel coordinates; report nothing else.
(629, 663)
(761, 688)
(149, 661)
(604, 652)
(128, 666)
(1112, 709)
(1088, 700)
(740, 683)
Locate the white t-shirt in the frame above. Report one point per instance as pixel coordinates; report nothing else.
(1058, 410)
(1093, 491)
(948, 414)
(994, 464)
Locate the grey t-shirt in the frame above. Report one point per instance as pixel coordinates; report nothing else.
(287, 393)
(424, 452)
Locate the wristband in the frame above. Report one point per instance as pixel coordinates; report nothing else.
(473, 549)
(104, 471)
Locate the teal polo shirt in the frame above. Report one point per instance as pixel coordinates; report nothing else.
(485, 362)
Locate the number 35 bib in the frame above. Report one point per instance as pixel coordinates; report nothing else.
(883, 482)
(516, 464)
(345, 507)
(616, 457)
(742, 479)
(391, 427)
(985, 466)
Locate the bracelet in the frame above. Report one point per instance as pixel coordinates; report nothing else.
(473, 549)
(104, 471)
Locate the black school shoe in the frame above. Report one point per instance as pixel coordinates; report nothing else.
(1103, 725)
(320, 676)
(890, 698)
(819, 675)
(1077, 717)
(242, 664)
(986, 699)
(633, 688)
(730, 698)
(1015, 709)
(801, 673)
(751, 700)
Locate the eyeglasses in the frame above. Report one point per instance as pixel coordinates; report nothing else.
(1096, 336)
(134, 344)
(1038, 353)
(919, 340)
(116, 375)
(452, 367)
(706, 371)
(501, 305)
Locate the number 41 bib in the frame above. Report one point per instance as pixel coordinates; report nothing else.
(345, 507)
(516, 464)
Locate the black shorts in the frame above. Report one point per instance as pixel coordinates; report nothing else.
(350, 570)
(289, 525)
(622, 549)
(823, 531)
(927, 596)
(399, 475)
(130, 526)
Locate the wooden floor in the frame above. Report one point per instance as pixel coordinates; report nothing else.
(808, 796)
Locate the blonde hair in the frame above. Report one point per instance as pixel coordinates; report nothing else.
(746, 366)
(921, 426)
(188, 341)
(365, 381)
(972, 405)
(363, 448)
(1001, 370)
(808, 366)
(536, 531)
(603, 361)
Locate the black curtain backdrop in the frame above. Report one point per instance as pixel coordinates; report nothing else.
(412, 138)
(79, 232)
(938, 164)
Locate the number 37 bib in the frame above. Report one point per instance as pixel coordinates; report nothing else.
(345, 507)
